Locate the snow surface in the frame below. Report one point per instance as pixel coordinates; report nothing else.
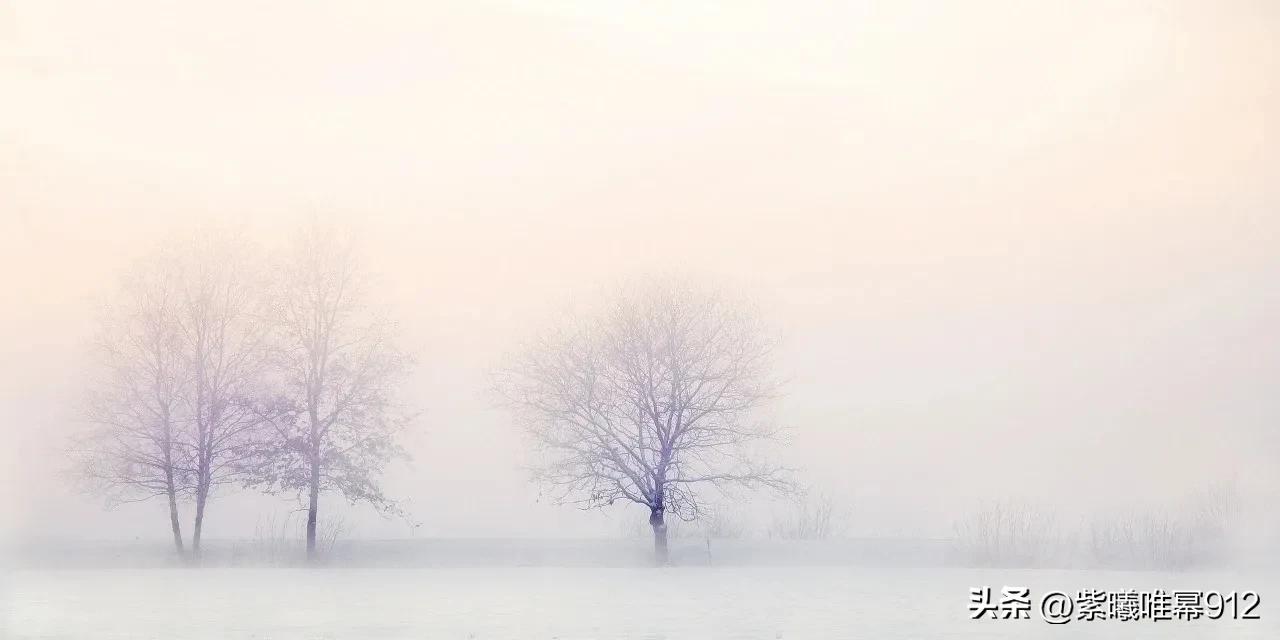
(565, 603)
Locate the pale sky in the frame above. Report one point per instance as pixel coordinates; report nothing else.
(1015, 249)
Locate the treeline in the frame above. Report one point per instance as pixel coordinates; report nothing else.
(220, 363)
(1196, 531)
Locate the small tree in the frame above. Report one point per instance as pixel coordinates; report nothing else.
(335, 419)
(132, 450)
(648, 400)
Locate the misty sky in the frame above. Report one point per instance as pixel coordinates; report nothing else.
(1014, 250)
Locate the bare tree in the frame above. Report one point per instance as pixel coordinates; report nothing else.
(648, 400)
(335, 419)
(222, 328)
(132, 450)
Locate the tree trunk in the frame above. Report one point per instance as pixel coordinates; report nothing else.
(661, 555)
(202, 496)
(312, 507)
(172, 491)
(174, 524)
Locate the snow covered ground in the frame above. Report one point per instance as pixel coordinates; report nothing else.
(564, 603)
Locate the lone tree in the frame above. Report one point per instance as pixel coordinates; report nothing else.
(648, 400)
(335, 419)
(132, 451)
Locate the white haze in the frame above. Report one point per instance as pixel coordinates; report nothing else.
(1016, 250)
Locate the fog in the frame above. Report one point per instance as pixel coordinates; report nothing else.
(1013, 252)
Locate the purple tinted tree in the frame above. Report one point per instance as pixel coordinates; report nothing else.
(223, 331)
(650, 400)
(132, 450)
(335, 418)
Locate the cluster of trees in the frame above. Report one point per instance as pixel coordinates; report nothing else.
(218, 364)
(1007, 533)
(1195, 532)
